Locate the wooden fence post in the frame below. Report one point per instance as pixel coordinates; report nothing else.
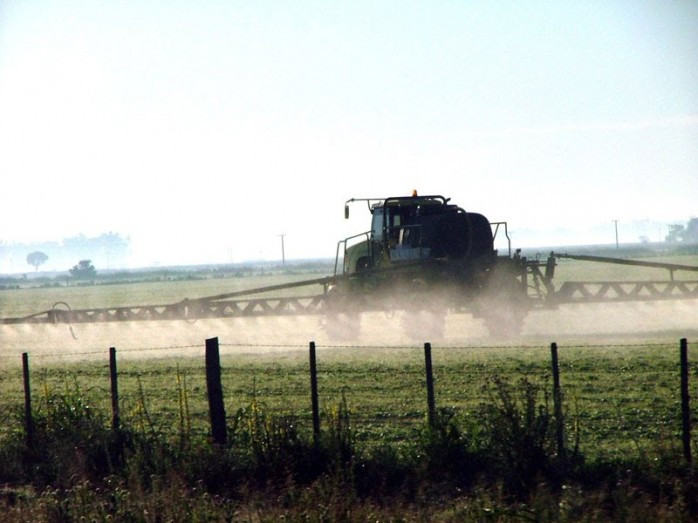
(557, 403)
(685, 399)
(313, 393)
(115, 421)
(215, 392)
(28, 417)
(431, 404)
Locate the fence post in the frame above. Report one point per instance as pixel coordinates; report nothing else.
(115, 422)
(685, 407)
(431, 404)
(28, 417)
(215, 392)
(557, 403)
(313, 393)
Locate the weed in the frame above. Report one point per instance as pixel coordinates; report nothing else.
(270, 445)
(517, 435)
(443, 452)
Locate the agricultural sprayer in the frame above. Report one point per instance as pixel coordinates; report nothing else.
(423, 257)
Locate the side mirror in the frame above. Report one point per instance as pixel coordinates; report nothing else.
(346, 212)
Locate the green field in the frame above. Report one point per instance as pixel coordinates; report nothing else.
(618, 399)
(619, 361)
(619, 373)
(30, 299)
(621, 405)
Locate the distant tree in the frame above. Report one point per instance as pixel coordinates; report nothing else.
(110, 245)
(36, 258)
(684, 233)
(691, 232)
(84, 270)
(675, 233)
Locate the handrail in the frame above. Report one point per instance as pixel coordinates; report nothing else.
(344, 241)
(506, 233)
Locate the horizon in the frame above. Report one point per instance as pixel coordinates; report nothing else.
(291, 261)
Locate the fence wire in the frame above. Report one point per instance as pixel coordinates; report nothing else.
(386, 397)
(41, 352)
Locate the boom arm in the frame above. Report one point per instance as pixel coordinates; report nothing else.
(671, 267)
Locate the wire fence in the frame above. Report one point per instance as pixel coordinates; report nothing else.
(614, 397)
(49, 353)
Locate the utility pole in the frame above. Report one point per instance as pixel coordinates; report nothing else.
(283, 254)
(616, 223)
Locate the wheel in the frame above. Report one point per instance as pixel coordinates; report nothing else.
(503, 307)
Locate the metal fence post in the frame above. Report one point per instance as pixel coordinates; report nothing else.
(313, 392)
(557, 403)
(215, 392)
(115, 422)
(685, 401)
(28, 417)
(431, 403)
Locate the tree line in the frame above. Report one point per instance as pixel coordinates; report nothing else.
(111, 249)
(684, 233)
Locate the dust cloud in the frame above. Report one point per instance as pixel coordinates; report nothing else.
(658, 320)
(593, 323)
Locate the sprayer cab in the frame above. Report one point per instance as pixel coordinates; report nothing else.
(419, 230)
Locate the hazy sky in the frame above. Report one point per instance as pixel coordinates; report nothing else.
(204, 129)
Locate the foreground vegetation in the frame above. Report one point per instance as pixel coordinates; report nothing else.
(490, 455)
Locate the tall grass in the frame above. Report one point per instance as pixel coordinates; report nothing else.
(500, 464)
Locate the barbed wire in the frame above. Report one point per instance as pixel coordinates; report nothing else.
(94, 351)
(616, 345)
(266, 345)
(40, 352)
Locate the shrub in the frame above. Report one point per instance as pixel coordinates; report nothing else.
(516, 435)
(70, 440)
(443, 452)
(271, 446)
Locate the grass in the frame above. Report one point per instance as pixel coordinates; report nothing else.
(618, 399)
(491, 453)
